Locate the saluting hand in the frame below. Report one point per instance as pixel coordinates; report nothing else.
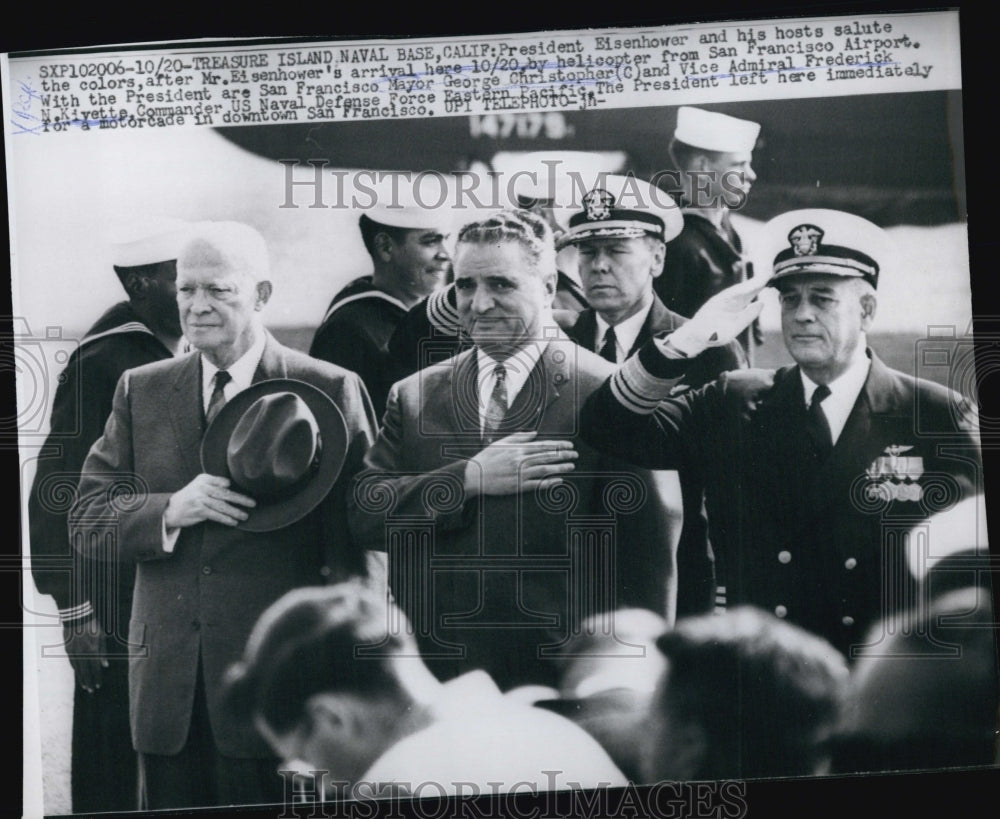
(720, 319)
(518, 463)
(207, 497)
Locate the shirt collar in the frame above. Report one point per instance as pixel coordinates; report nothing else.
(626, 332)
(519, 366)
(844, 390)
(242, 370)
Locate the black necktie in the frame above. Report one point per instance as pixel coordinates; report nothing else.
(609, 350)
(218, 396)
(496, 408)
(819, 427)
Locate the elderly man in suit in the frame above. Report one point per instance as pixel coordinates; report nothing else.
(621, 235)
(505, 531)
(209, 556)
(810, 468)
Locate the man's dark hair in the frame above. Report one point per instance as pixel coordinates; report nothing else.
(685, 155)
(314, 640)
(763, 692)
(528, 229)
(370, 229)
(930, 698)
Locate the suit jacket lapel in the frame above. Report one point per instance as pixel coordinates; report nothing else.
(187, 413)
(272, 361)
(541, 388)
(460, 391)
(584, 332)
(658, 320)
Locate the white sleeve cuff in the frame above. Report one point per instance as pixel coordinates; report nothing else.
(76, 613)
(169, 537)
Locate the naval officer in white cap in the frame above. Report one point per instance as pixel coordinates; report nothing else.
(620, 235)
(806, 468)
(713, 154)
(406, 241)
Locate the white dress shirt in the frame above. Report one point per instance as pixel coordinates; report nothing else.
(844, 391)
(518, 366)
(626, 332)
(240, 371)
(241, 375)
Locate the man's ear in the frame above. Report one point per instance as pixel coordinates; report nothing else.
(551, 283)
(328, 711)
(868, 305)
(384, 246)
(263, 294)
(659, 254)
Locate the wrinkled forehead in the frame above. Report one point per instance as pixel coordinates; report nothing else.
(206, 263)
(813, 282)
(225, 255)
(481, 258)
(596, 243)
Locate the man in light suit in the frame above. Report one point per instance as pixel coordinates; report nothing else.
(814, 473)
(621, 235)
(504, 531)
(204, 573)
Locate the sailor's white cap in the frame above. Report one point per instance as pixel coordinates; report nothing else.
(713, 131)
(412, 202)
(148, 241)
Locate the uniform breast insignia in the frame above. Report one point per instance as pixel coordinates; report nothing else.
(893, 475)
(598, 204)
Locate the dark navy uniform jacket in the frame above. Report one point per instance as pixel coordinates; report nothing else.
(701, 261)
(118, 341)
(696, 580)
(817, 541)
(355, 335)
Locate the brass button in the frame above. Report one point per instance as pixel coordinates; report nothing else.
(784, 557)
(850, 563)
(780, 611)
(847, 620)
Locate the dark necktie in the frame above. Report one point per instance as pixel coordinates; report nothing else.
(496, 408)
(819, 427)
(218, 396)
(609, 350)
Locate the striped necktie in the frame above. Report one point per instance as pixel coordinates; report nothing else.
(496, 408)
(218, 398)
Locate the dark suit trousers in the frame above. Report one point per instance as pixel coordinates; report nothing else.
(199, 776)
(104, 764)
